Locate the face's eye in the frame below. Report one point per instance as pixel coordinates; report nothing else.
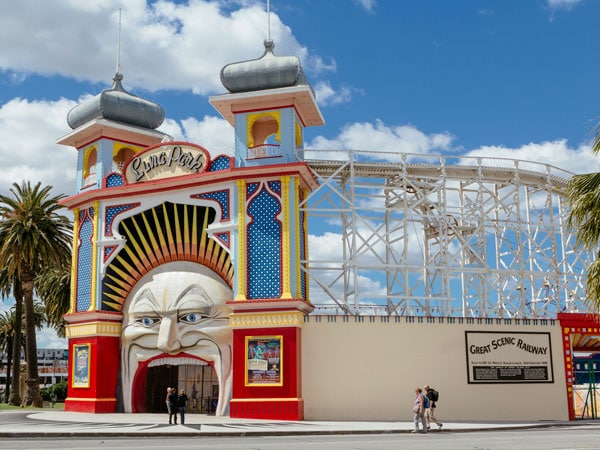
(147, 321)
(192, 317)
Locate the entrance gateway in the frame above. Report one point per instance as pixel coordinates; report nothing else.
(186, 262)
(187, 266)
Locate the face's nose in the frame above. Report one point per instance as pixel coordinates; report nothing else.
(168, 334)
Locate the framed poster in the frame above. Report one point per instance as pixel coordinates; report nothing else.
(497, 357)
(263, 361)
(81, 365)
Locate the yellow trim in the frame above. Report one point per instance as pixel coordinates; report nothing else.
(299, 138)
(297, 228)
(79, 399)
(93, 329)
(241, 260)
(266, 319)
(93, 302)
(285, 251)
(252, 118)
(74, 254)
(305, 244)
(118, 146)
(74, 365)
(86, 158)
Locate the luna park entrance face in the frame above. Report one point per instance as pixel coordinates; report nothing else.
(199, 382)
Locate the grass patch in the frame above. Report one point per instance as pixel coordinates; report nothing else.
(57, 407)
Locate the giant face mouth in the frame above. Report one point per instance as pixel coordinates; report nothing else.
(139, 389)
(175, 315)
(138, 360)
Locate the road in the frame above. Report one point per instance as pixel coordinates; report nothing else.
(555, 438)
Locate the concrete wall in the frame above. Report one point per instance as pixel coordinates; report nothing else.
(367, 368)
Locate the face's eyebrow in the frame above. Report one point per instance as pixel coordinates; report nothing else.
(193, 292)
(145, 301)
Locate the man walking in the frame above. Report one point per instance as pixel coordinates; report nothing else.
(432, 395)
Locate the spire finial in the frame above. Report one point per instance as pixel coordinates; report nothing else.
(118, 69)
(268, 20)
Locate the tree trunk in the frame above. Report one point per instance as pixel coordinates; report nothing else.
(32, 392)
(15, 396)
(9, 352)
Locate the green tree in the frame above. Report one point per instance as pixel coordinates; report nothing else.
(53, 287)
(11, 337)
(9, 283)
(583, 196)
(33, 236)
(7, 332)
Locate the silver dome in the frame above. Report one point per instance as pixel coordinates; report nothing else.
(118, 105)
(267, 72)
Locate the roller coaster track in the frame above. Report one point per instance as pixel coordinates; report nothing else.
(426, 235)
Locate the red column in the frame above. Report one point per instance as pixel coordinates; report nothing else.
(94, 355)
(279, 398)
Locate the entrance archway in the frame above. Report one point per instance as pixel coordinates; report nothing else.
(199, 381)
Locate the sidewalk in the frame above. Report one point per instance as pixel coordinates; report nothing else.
(20, 423)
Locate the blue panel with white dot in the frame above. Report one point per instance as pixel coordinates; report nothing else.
(220, 163)
(275, 186)
(84, 265)
(224, 237)
(250, 189)
(114, 180)
(222, 197)
(264, 247)
(111, 212)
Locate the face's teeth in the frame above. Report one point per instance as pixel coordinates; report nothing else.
(180, 361)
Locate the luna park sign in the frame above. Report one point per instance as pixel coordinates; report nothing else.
(165, 161)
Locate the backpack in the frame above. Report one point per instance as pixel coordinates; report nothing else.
(425, 402)
(435, 395)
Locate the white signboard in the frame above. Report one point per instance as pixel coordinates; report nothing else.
(508, 357)
(165, 161)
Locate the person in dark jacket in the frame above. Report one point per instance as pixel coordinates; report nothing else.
(181, 404)
(173, 405)
(430, 412)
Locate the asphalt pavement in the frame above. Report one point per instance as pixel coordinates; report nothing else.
(28, 423)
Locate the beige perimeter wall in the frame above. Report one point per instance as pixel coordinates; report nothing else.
(366, 368)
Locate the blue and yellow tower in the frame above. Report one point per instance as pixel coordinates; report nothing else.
(269, 104)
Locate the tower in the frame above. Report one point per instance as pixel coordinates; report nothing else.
(108, 129)
(269, 104)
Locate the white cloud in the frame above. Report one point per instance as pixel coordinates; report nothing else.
(368, 5)
(163, 45)
(326, 95)
(555, 153)
(28, 151)
(563, 4)
(389, 140)
(46, 337)
(214, 133)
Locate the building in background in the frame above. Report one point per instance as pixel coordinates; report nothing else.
(52, 367)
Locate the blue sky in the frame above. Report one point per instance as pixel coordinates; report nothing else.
(513, 78)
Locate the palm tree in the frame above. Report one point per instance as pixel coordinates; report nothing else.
(11, 340)
(6, 345)
(32, 237)
(583, 196)
(54, 288)
(8, 284)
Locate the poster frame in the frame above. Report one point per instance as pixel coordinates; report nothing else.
(253, 340)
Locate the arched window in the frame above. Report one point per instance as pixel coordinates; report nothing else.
(264, 135)
(89, 166)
